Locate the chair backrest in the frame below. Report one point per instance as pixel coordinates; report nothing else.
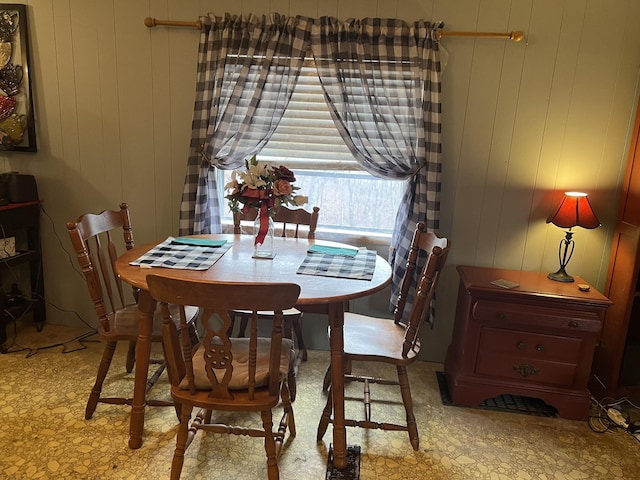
(286, 216)
(436, 250)
(215, 353)
(92, 237)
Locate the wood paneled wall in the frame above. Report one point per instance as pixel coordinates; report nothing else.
(522, 122)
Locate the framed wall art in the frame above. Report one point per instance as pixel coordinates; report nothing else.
(17, 125)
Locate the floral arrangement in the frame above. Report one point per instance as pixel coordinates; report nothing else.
(262, 186)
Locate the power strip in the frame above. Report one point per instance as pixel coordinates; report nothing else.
(616, 417)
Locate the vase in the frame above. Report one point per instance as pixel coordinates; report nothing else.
(263, 231)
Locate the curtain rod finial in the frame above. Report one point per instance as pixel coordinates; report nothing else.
(517, 36)
(150, 22)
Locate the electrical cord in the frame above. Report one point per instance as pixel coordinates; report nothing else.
(621, 401)
(80, 339)
(14, 346)
(55, 233)
(609, 417)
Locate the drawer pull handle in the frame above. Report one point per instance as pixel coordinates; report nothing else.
(540, 348)
(574, 324)
(522, 346)
(526, 370)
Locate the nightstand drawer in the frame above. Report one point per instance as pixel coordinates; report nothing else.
(539, 317)
(530, 345)
(498, 365)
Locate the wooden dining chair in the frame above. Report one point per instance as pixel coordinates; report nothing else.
(395, 342)
(226, 373)
(94, 239)
(290, 221)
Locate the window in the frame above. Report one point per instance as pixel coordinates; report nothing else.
(307, 142)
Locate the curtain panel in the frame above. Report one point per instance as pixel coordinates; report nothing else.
(381, 78)
(247, 70)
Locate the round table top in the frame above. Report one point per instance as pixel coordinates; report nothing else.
(237, 265)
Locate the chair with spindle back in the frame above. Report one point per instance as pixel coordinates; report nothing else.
(395, 342)
(290, 220)
(94, 239)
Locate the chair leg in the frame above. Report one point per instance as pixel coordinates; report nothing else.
(181, 441)
(286, 328)
(297, 329)
(326, 383)
(178, 408)
(131, 356)
(103, 368)
(325, 418)
(286, 403)
(327, 375)
(403, 380)
(233, 323)
(291, 380)
(243, 326)
(270, 446)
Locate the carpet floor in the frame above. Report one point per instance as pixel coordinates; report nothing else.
(44, 435)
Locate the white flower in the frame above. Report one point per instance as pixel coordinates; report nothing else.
(253, 177)
(299, 200)
(233, 183)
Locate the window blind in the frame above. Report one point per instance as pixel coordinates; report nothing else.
(307, 138)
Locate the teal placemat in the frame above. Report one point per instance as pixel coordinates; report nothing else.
(199, 242)
(345, 252)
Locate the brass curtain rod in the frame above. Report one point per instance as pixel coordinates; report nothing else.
(516, 36)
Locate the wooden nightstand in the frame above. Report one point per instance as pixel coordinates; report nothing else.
(536, 340)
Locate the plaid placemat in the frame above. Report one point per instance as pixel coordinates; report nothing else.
(177, 254)
(359, 267)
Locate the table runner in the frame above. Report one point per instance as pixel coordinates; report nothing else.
(359, 267)
(176, 253)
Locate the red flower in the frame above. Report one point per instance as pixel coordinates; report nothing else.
(284, 173)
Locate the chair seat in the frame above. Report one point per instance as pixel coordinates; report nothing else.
(375, 339)
(240, 376)
(123, 323)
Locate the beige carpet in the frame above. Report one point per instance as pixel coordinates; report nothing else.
(44, 434)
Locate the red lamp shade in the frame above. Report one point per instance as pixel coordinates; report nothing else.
(574, 211)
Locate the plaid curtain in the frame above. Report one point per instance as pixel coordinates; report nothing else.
(381, 78)
(247, 69)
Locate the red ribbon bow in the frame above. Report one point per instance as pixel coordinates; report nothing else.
(266, 201)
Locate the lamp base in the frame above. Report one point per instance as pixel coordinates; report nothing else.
(560, 276)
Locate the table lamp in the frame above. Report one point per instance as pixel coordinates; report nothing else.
(574, 211)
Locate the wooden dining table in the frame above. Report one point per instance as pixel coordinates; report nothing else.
(318, 294)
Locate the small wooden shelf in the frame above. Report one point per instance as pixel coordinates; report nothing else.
(20, 257)
(22, 221)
